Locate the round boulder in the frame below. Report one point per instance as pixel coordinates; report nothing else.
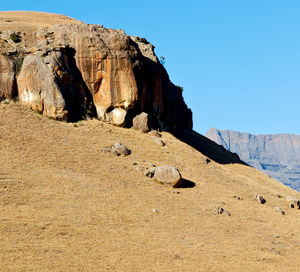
(168, 174)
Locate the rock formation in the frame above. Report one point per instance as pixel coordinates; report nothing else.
(277, 155)
(69, 71)
(7, 78)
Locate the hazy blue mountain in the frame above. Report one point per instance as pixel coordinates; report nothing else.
(277, 155)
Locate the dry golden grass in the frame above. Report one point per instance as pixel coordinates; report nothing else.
(66, 206)
(28, 21)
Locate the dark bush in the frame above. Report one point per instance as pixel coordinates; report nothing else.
(15, 37)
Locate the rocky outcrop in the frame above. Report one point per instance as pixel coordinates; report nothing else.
(52, 85)
(277, 155)
(76, 69)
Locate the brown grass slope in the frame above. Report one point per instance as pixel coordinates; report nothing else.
(66, 206)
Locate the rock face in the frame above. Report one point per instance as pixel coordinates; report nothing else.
(73, 70)
(7, 78)
(276, 155)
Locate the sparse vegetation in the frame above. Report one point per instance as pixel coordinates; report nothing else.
(180, 88)
(15, 37)
(78, 124)
(19, 58)
(38, 111)
(19, 63)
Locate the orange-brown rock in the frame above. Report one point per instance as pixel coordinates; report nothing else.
(75, 69)
(50, 84)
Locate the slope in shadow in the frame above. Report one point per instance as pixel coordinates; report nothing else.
(207, 147)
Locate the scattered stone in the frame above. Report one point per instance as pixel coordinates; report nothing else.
(156, 211)
(237, 197)
(278, 195)
(142, 122)
(294, 200)
(154, 133)
(158, 141)
(279, 210)
(117, 149)
(207, 160)
(175, 192)
(220, 210)
(177, 257)
(150, 172)
(134, 163)
(292, 205)
(260, 199)
(121, 149)
(168, 174)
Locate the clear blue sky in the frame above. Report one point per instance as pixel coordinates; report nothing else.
(238, 60)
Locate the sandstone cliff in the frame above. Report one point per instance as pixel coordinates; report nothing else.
(277, 155)
(71, 70)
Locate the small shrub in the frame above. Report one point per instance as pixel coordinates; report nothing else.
(38, 112)
(179, 88)
(19, 63)
(15, 38)
(18, 60)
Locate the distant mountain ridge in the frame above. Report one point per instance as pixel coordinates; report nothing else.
(277, 155)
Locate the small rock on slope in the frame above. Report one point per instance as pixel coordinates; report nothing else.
(158, 141)
(154, 133)
(117, 149)
(260, 199)
(121, 149)
(142, 122)
(168, 174)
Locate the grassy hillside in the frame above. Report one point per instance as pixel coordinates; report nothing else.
(67, 206)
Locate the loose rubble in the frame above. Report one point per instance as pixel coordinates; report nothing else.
(260, 199)
(279, 210)
(294, 202)
(220, 210)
